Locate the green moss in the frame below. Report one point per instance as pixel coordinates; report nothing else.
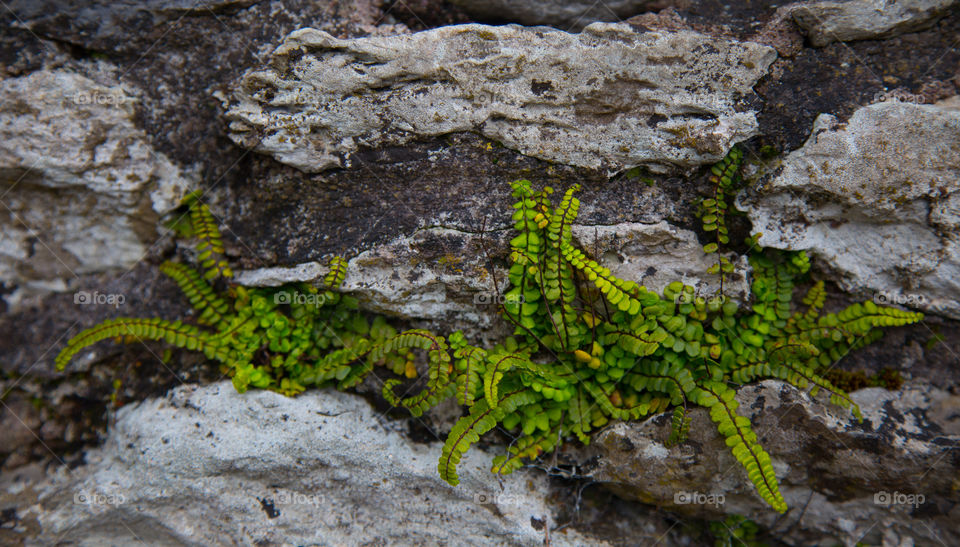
(887, 378)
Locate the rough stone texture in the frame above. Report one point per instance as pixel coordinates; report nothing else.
(659, 99)
(208, 466)
(843, 21)
(175, 63)
(830, 467)
(877, 199)
(564, 14)
(844, 76)
(132, 25)
(178, 59)
(656, 255)
(82, 186)
(460, 182)
(456, 289)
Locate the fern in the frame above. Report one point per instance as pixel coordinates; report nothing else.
(741, 440)
(587, 347)
(468, 430)
(337, 273)
(210, 244)
(213, 309)
(131, 329)
(724, 177)
(679, 427)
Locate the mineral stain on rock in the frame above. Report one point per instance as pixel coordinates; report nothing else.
(267, 505)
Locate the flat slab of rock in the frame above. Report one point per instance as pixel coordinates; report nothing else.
(827, 22)
(210, 466)
(891, 477)
(608, 98)
(878, 199)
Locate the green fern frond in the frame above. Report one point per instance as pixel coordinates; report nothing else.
(337, 273)
(209, 242)
(471, 363)
(617, 291)
(679, 427)
(173, 333)
(212, 308)
(528, 447)
(580, 415)
(741, 440)
(438, 386)
(468, 429)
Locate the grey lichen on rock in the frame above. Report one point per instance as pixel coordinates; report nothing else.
(608, 98)
(878, 199)
(827, 22)
(836, 474)
(82, 186)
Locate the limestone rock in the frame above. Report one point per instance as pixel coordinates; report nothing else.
(842, 21)
(82, 185)
(608, 98)
(878, 199)
(655, 255)
(209, 466)
(458, 290)
(395, 278)
(835, 474)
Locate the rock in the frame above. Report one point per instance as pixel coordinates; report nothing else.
(835, 474)
(876, 199)
(662, 99)
(564, 14)
(453, 286)
(843, 21)
(106, 25)
(396, 278)
(83, 187)
(656, 255)
(178, 55)
(209, 466)
(840, 79)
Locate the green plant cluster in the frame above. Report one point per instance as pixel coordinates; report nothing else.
(735, 531)
(588, 347)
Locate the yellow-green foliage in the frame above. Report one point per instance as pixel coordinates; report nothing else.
(587, 346)
(209, 243)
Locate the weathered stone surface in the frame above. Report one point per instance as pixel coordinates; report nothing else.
(840, 78)
(209, 466)
(831, 469)
(176, 62)
(878, 200)
(660, 99)
(456, 288)
(134, 25)
(396, 278)
(842, 21)
(564, 14)
(656, 255)
(82, 186)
